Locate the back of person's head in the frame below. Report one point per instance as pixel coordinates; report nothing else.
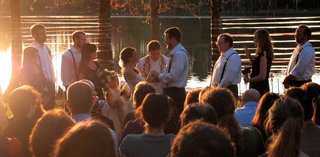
(140, 92)
(192, 97)
(312, 90)
(200, 139)
(80, 97)
(285, 121)
(198, 111)
(47, 130)
(223, 101)
(23, 100)
(86, 51)
(251, 95)
(153, 45)
(88, 138)
(155, 110)
(173, 32)
(264, 105)
(300, 95)
(34, 29)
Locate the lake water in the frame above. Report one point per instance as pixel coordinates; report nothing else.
(134, 31)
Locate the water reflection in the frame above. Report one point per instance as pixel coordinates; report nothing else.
(134, 31)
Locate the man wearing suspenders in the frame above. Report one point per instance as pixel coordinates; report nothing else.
(227, 70)
(71, 59)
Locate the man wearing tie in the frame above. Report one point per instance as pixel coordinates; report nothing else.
(176, 75)
(302, 62)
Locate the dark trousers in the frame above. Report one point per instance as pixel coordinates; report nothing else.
(234, 90)
(177, 94)
(49, 96)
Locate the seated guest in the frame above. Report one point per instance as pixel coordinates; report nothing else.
(86, 139)
(192, 97)
(47, 130)
(135, 125)
(223, 101)
(286, 122)
(199, 139)
(24, 103)
(152, 142)
(312, 93)
(261, 115)
(197, 111)
(249, 103)
(80, 99)
(9, 147)
(310, 137)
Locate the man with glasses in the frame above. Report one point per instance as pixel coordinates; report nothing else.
(227, 70)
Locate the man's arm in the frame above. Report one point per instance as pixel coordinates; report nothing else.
(305, 57)
(66, 68)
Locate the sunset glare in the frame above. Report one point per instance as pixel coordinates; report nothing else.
(5, 69)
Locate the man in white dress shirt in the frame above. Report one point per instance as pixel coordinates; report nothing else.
(153, 61)
(302, 62)
(71, 59)
(227, 70)
(39, 35)
(176, 75)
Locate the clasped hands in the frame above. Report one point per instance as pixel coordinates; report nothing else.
(153, 76)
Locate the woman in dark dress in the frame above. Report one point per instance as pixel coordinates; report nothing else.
(261, 62)
(89, 68)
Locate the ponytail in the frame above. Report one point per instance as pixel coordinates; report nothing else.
(286, 142)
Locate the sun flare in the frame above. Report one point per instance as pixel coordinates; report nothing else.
(5, 69)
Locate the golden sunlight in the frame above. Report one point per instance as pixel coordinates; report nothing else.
(5, 69)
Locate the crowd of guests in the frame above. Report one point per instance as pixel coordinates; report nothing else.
(152, 114)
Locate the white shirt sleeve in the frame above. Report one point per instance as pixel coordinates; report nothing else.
(66, 68)
(231, 71)
(306, 56)
(176, 70)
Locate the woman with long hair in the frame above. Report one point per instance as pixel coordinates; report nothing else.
(129, 57)
(89, 67)
(223, 101)
(261, 114)
(286, 122)
(261, 63)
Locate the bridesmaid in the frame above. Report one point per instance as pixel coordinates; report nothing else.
(261, 62)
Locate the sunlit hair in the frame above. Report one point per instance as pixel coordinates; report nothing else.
(173, 32)
(286, 122)
(87, 50)
(80, 96)
(22, 99)
(263, 43)
(223, 101)
(192, 97)
(199, 139)
(307, 30)
(30, 54)
(153, 45)
(125, 55)
(298, 94)
(198, 111)
(312, 90)
(47, 130)
(140, 92)
(88, 138)
(34, 29)
(76, 34)
(227, 38)
(155, 110)
(264, 105)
